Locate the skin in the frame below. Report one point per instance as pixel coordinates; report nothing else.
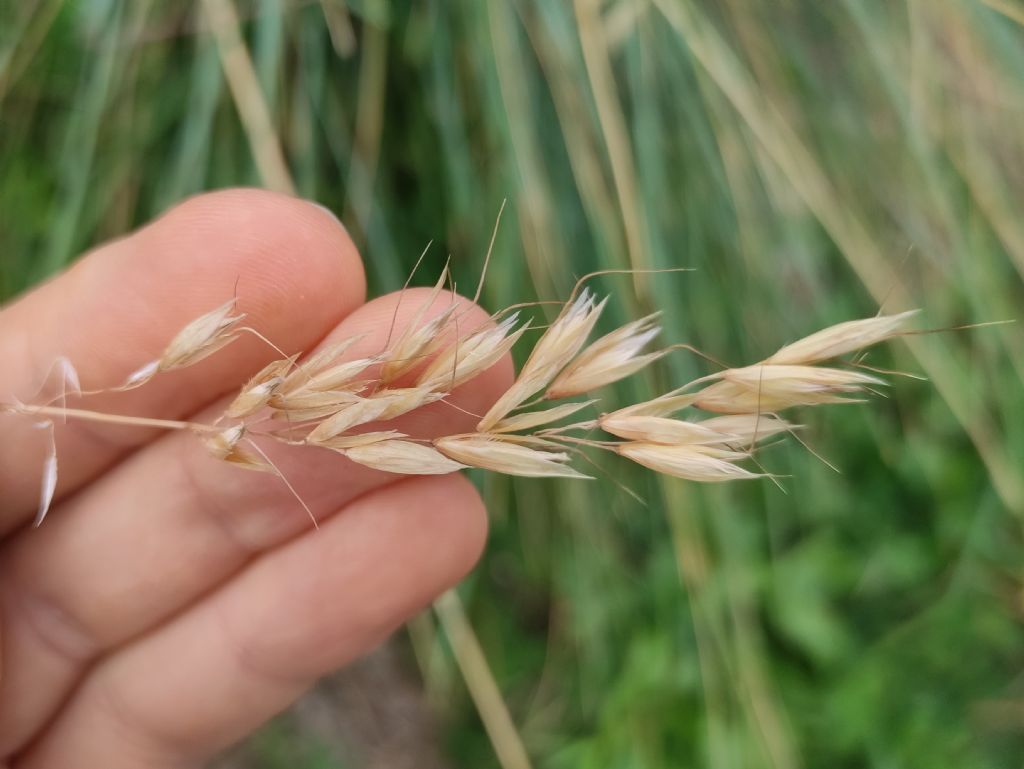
(170, 604)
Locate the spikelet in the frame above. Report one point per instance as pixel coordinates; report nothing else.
(402, 400)
(559, 344)
(226, 445)
(257, 392)
(469, 357)
(343, 442)
(495, 453)
(317, 363)
(770, 387)
(729, 455)
(338, 376)
(387, 404)
(531, 419)
(201, 338)
(841, 339)
(613, 357)
(322, 385)
(418, 348)
(48, 486)
(419, 339)
(307, 406)
(405, 457)
(733, 430)
(686, 462)
(651, 429)
(742, 429)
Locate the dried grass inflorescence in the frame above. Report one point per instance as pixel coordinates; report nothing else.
(343, 403)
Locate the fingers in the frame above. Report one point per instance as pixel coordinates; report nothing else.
(118, 308)
(173, 523)
(177, 696)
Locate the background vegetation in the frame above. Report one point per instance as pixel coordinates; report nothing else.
(810, 159)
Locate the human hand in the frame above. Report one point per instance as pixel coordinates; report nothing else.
(170, 604)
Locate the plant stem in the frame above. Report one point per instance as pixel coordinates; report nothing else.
(117, 419)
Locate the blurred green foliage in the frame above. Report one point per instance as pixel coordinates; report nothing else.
(810, 160)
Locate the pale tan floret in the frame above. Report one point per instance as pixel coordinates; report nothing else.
(339, 376)
(381, 406)
(794, 378)
(342, 442)
(306, 406)
(687, 462)
(559, 344)
(322, 385)
(419, 339)
(653, 429)
(467, 358)
(841, 339)
(613, 357)
(405, 457)
(772, 387)
(662, 406)
(732, 398)
(226, 446)
(531, 419)
(494, 453)
(734, 430)
(728, 454)
(201, 338)
(744, 428)
(317, 363)
(257, 392)
(417, 348)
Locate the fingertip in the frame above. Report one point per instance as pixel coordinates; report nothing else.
(288, 257)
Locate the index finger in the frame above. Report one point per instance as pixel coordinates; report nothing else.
(297, 275)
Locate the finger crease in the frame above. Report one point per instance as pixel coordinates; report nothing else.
(58, 629)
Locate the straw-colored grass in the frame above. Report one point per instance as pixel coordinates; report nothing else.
(344, 404)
